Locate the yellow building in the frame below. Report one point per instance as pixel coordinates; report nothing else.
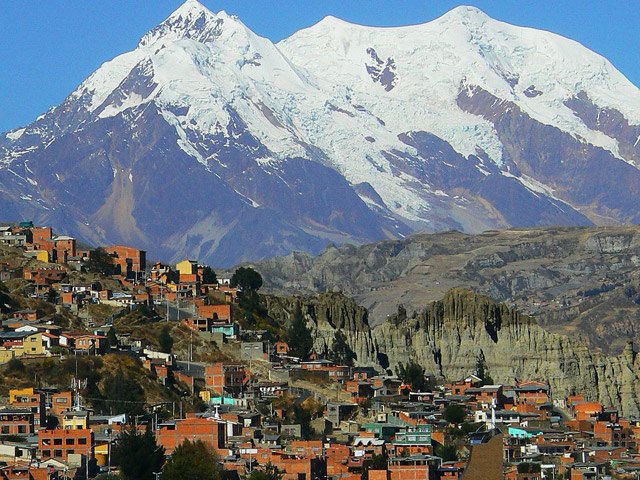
(32, 344)
(24, 343)
(43, 256)
(75, 419)
(101, 452)
(187, 267)
(19, 392)
(6, 355)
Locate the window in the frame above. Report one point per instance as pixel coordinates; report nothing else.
(57, 453)
(70, 441)
(82, 441)
(22, 429)
(5, 429)
(57, 441)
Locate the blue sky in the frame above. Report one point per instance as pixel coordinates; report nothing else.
(49, 47)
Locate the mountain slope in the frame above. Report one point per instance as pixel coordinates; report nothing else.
(210, 141)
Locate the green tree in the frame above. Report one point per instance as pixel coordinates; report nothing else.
(138, 455)
(379, 462)
(448, 453)
(270, 472)
(340, 352)
(52, 296)
(455, 413)
(100, 262)
(413, 374)
(120, 393)
(481, 371)
(192, 461)
(209, 276)
(302, 417)
(165, 340)
(247, 279)
(111, 336)
(526, 467)
(299, 335)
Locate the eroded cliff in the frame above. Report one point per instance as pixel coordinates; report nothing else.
(449, 335)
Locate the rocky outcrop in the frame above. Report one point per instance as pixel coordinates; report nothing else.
(542, 272)
(326, 313)
(450, 335)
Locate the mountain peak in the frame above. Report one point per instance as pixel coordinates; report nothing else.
(190, 7)
(332, 20)
(465, 14)
(191, 20)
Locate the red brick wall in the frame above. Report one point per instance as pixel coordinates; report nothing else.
(209, 431)
(221, 312)
(61, 443)
(138, 258)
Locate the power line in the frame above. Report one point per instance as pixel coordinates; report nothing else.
(119, 401)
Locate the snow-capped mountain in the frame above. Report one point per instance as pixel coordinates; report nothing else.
(212, 142)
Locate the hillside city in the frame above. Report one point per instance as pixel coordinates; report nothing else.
(105, 355)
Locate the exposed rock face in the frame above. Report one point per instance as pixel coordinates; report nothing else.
(449, 336)
(542, 271)
(326, 313)
(610, 122)
(576, 172)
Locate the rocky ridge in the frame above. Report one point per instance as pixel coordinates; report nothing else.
(555, 274)
(450, 335)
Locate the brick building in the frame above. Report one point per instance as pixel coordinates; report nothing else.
(216, 312)
(29, 399)
(60, 402)
(61, 443)
(17, 422)
(131, 262)
(211, 431)
(225, 378)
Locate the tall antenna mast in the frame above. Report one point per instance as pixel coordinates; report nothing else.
(76, 386)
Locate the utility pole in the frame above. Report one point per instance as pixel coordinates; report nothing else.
(167, 298)
(109, 454)
(190, 350)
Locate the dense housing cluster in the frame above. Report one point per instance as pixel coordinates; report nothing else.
(259, 406)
